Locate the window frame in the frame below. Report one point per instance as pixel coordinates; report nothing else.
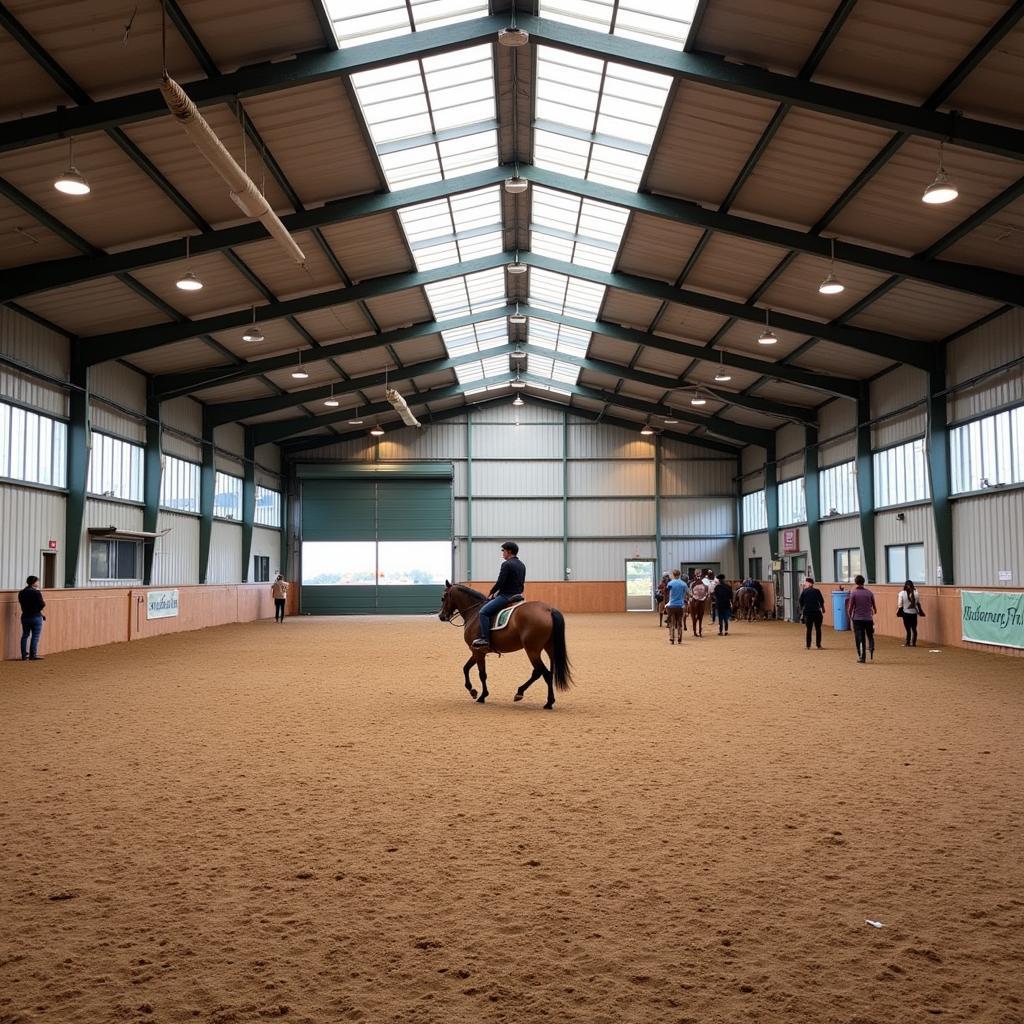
(57, 429)
(112, 544)
(261, 568)
(763, 506)
(165, 461)
(838, 577)
(827, 491)
(905, 546)
(278, 507)
(136, 470)
(217, 476)
(897, 480)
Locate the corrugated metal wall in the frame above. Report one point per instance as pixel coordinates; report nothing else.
(752, 466)
(988, 534)
(229, 438)
(836, 534)
(902, 386)
(106, 513)
(265, 542)
(836, 418)
(916, 527)
(128, 389)
(176, 557)
(995, 344)
(225, 553)
(186, 415)
(789, 447)
(755, 545)
(31, 519)
(29, 343)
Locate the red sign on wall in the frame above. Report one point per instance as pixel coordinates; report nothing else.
(53, 545)
(790, 540)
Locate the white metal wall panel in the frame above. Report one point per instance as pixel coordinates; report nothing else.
(435, 441)
(600, 441)
(513, 520)
(697, 479)
(359, 449)
(460, 562)
(176, 558)
(459, 477)
(505, 415)
(836, 534)
(676, 553)
(186, 415)
(902, 386)
(994, 344)
(988, 535)
(611, 518)
(752, 463)
(673, 449)
(105, 513)
(917, 527)
(789, 448)
(31, 519)
(833, 419)
(606, 560)
(268, 455)
(755, 545)
(29, 343)
(459, 517)
(527, 441)
(543, 560)
(698, 516)
(127, 388)
(524, 479)
(225, 553)
(600, 479)
(265, 542)
(230, 438)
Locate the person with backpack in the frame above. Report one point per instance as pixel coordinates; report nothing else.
(909, 610)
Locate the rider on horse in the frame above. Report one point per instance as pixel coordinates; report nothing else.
(509, 585)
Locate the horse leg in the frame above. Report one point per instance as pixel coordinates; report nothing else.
(465, 671)
(538, 671)
(549, 677)
(481, 667)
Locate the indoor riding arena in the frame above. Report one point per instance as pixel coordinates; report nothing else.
(325, 322)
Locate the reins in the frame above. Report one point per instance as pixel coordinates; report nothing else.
(474, 613)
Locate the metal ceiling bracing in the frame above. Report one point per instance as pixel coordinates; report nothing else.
(777, 136)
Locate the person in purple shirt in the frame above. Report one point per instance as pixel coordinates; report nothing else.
(860, 607)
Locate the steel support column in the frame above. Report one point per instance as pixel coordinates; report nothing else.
(565, 496)
(771, 499)
(78, 451)
(207, 480)
(153, 469)
(811, 500)
(248, 502)
(657, 500)
(739, 519)
(938, 466)
(866, 484)
(469, 495)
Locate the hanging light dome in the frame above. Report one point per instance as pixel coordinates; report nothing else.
(518, 400)
(188, 282)
(515, 185)
(299, 373)
(767, 336)
(698, 399)
(517, 317)
(513, 37)
(722, 377)
(942, 189)
(647, 430)
(252, 333)
(515, 267)
(832, 285)
(331, 402)
(376, 430)
(670, 420)
(72, 182)
(517, 383)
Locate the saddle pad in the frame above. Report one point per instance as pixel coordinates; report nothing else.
(501, 619)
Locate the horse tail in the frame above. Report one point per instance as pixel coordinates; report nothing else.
(561, 669)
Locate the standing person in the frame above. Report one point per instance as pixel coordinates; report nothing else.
(722, 603)
(812, 611)
(279, 588)
(909, 610)
(32, 618)
(676, 592)
(510, 583)
(709, 581)
(860, 607)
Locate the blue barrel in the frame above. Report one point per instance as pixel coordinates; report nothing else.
(839, 620)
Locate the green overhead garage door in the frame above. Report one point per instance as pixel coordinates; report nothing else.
(375, 538)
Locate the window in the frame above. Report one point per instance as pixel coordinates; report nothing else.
(268, 507)
(837, 490)
(388, 563)
(901, 474)
(114, 560)
(33, 447)
(792, 502)
(261, 568)
(755, 568)
(988, 452)
(115, 468)
(755, 512)
(848, 565)
(227, 497)
(905, 562)
(179, 485)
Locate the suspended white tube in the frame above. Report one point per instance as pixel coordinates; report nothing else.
(242, 189)
(400, 406)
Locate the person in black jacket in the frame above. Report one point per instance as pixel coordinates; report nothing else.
(32, 618)
(510, 583)
(812, 610)
(722, 603)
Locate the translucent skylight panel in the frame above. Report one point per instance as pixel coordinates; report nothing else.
(562, 294)
(631, 103)
(462, 341)
(561, 222)
(412, 167)
(470, 294)
(454, 229)
(470, 153)
(363, 21)
(560, 153)
(558, 337)
(659, 22)
(552, 369)
(486, 369)
(616, 167)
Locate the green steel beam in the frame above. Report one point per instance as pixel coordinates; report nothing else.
(77, 455)
(152, 472)
(248, 503)
(657, 502)
(866, 484)
(703, 68)
(938, 470)
(771, 498)
(469, 496)
(207, 482)
(286, 527)
(740, 570)
(812, 499)
(565, 495)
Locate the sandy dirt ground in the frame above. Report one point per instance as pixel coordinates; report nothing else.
(313, 822)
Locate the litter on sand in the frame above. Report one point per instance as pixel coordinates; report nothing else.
(935, 650)
(874, 924)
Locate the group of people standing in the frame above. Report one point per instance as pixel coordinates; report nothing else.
(861, 611)
(674, 591)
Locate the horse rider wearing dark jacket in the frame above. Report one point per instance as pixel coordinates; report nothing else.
(509, 585)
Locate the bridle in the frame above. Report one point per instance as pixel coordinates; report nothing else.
(473, 615)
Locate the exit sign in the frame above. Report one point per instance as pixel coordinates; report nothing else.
(53, 545)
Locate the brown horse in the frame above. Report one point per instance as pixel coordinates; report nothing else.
(676, 624)
(695, 609)
(746, 603)
(535, 627)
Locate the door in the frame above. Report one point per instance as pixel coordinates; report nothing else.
(793, 579)
(755, 568)
(48, 574)
(640, 584)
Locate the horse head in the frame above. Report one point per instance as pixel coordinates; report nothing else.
(447, 608)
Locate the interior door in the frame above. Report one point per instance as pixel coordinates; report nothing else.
(640, 584)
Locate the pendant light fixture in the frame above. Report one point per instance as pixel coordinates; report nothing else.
(767, 336)
(518, 401)
(517, 383)
(356, 420)
(299, 373)
(512, 36)
(72, 181)
(831, 285)
(332, 402)
(516, 185)
(252, 333)
(188, 282)
(517, 353)
(517, 317)
(697, 398)
(376, 430)
(515, 267)
(647, 430)
(670, 419)
(942, 189)
(722, 377)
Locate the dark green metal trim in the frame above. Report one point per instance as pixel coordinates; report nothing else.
(286, 525)
(657, 500)
(565, 494)
(866, 484)
(771, 499)
(78, 452)
(937, 447)
(207, 481)
(812, 499)
(248, 502)
(152, 473)
(469, 495)
(740, 574)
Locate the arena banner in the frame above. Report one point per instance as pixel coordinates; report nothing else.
(993, 617)
(161, 604)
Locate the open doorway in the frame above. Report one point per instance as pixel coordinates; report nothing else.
(640, 584)
(698, 568)
(48, 570)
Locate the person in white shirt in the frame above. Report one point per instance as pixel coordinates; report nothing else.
(279, 590)
(909, 610)
(709, 581)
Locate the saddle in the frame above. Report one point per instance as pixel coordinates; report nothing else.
(501, 620)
